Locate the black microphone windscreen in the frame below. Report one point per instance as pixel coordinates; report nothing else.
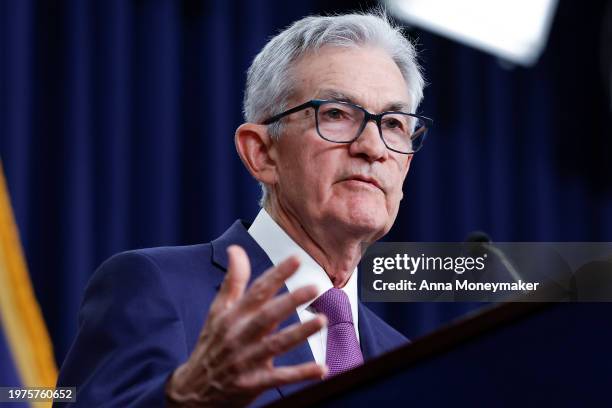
(478, 236)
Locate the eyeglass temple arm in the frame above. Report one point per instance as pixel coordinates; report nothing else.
(287, 112)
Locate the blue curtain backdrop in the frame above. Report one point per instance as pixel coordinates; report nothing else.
(117, 121)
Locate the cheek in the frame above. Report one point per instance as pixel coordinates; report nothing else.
(396, 194)
(305, 177)
(318, 167)
(393, 203)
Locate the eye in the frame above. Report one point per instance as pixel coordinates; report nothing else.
(393, 123)
(334, 113)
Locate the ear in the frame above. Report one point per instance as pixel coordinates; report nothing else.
(257, 151)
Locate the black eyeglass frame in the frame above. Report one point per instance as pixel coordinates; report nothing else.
(376, 117)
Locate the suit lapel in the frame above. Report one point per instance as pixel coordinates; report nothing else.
(298, 355)
(370, 345)
(237, 234)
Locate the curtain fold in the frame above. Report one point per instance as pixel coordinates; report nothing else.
(117, 121)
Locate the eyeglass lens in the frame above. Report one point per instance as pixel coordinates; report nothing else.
(338, 122)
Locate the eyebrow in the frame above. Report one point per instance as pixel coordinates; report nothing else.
(340, 96)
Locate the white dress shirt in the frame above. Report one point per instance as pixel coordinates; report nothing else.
(278, 245)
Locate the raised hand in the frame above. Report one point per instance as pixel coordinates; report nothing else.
(231, 363)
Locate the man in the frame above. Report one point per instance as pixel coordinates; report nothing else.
(181, 326)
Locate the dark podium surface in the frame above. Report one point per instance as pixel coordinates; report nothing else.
(510, 355)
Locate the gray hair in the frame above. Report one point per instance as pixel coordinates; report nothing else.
(269, 84)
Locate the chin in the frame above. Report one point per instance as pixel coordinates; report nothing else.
(365, 219)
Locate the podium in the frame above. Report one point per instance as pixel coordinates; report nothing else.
(508, 355)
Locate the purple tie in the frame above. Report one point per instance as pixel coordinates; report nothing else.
(343, 352)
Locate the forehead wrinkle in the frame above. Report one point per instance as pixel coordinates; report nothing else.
(343, 96)
(367, 77)
(335, 95)
(398, 106)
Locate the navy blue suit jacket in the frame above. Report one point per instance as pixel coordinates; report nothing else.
(143, 311)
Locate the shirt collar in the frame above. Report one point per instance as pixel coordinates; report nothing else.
(278, 245)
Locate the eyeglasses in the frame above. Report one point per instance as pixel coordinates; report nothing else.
(343, 122)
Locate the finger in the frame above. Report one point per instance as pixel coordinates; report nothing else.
(275, 311)
(264, 287)
(278, 376)
(286, 339)
(236, 278)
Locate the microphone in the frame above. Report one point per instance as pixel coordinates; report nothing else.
(540, 263)
(478, 236)
(479, 239)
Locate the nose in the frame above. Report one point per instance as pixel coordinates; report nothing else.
(369, 144)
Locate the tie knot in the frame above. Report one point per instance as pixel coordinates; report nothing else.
(335, 305)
